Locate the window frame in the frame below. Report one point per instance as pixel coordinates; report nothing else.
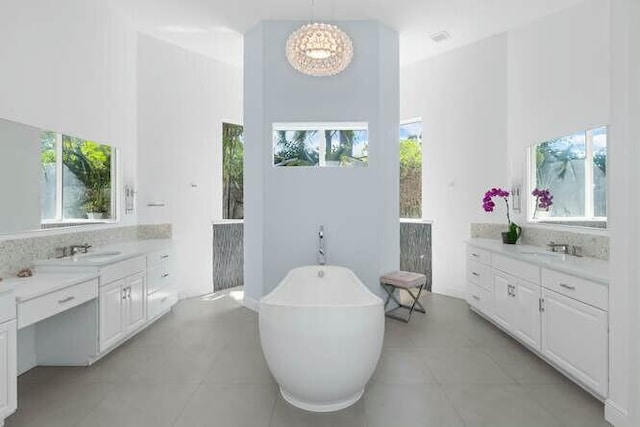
(59, 220)
(320, 127)
(588, 183)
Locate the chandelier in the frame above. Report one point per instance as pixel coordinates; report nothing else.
(319, 49)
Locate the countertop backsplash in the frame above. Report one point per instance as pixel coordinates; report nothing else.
(592, 245)
(19, 253)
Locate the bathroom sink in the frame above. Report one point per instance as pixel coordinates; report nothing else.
(105, 254)
(98, 256)
(549, 255)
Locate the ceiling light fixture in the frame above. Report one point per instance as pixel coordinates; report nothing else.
(319, 49)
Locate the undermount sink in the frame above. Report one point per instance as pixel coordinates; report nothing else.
(541, 254)
(105, 254)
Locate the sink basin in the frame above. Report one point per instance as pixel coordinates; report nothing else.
(105, 254)
(542, 254)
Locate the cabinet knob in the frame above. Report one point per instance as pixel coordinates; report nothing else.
(571, 288)
(475, 274)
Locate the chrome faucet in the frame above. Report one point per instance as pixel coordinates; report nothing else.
(75, 249)
(562, 248)
(322, 255)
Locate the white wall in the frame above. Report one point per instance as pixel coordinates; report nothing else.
(71, 69)
(183, 98)
(559, 79)
(462, 99)
(622, 407)
(285, 206)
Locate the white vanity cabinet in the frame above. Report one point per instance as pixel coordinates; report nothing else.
(161, 292)
(575, 337)
(561, 317)
(8, 355)
(122, 302)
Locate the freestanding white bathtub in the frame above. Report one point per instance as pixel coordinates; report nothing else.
(321, 331)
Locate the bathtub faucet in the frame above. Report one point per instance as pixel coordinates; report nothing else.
(322, 255)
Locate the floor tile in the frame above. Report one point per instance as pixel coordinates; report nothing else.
(139, 406)
(409, 405)
(239, 365)
(402, 366)
(490, 405)
(286, 415)
(573, 406)
(524, 366)
(229, 406)
(464, 365)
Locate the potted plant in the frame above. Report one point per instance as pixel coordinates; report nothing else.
(513, 234)
(96, 203)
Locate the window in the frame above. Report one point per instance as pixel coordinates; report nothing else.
(574, 169)
(411, 169)
(320, 144)
(232, 170)
(76, 179)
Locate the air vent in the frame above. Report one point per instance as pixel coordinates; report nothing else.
(440, 37)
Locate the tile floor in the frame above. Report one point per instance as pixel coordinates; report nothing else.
(202, 365)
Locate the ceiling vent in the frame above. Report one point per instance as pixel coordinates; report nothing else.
(440, 37)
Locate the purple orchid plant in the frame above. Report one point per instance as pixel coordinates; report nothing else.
(489, 205)
(544, 199)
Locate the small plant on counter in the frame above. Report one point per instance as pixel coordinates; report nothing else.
(511, 236)
(544, 199)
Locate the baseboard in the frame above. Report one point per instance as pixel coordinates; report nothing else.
(250, 303)
(615, 414)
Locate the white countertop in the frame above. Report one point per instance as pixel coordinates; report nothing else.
(44, 283)
(6, 285)
(587, 268)
(126, 250)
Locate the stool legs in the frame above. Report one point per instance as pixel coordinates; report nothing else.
(416, 305)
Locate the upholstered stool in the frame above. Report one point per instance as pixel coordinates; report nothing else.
(407, 281)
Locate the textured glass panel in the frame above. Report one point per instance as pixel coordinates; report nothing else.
(599, 172)
(560, 167)
(48, 177)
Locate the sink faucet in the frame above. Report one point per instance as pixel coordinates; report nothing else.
(322, 256)
(562, 248)
(75, 249)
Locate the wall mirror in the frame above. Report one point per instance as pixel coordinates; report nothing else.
(570, 176)
(49, 179)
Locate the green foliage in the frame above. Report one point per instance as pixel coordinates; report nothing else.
(232, 170)
(294, 151)
(48, 147)
(410, 178)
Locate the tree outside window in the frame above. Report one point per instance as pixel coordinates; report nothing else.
(232, 171)
(411, 170)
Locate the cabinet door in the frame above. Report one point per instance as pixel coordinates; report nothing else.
(503, 306)
(574, 336)
(135, 305)
(112, 299)
(8, 369)
(527, 320)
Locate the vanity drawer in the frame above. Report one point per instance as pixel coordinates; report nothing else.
(591, 293)
(479, 274)
(34, 310)
(523, 270)
(478, 255)
(479, 298)
(117, 271)
(160, 301)
(159, 258)
(159, 277)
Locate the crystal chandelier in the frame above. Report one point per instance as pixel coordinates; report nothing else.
(319, 49)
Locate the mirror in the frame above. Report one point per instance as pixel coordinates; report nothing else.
(50, 180)
(569, 177)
